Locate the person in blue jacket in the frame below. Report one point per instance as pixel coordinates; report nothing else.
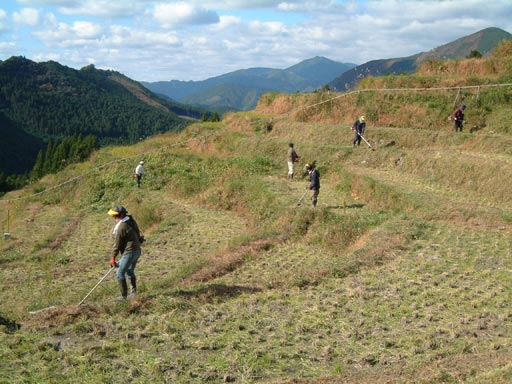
(314, 182)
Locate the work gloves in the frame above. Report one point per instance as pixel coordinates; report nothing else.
(113, 262)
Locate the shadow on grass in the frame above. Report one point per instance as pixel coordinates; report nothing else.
(349, 206)
(10, 325)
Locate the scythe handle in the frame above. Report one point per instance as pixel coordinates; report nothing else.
(96, 286)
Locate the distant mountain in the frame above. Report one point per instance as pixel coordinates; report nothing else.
(48, 101)
(241, 89)
(483, 41)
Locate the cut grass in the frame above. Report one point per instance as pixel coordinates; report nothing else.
(400, 274)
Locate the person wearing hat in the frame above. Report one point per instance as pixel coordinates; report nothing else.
(292, 158)
(139, 171)
(127, 241)
(314, 182)
(358, 127)
(458, 118)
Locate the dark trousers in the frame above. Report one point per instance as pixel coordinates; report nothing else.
(357, 138)
(314, 196)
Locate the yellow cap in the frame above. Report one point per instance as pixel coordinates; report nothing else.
(117, 211)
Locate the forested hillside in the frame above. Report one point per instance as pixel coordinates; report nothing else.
(48, 101)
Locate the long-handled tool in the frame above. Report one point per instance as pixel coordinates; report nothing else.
(301, 198)
(96, 286)
(362, 137)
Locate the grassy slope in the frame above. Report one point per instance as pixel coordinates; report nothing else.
(401, 274)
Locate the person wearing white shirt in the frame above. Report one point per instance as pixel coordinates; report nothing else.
(139, 171)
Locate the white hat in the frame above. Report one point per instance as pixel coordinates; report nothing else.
(141, 162)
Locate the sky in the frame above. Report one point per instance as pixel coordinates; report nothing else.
(162, 40)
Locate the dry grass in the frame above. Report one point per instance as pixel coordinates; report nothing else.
(227, 261)
(401, 274)
(498, 64)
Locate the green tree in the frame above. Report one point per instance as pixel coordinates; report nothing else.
(48, 155)
(474, 54)
(38, 170)
(215, 117)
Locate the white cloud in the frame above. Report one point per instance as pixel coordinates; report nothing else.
(228, 21)
(160, 39)
(171, 15)
(86, 30)
(250, 4)
(306, 6)
(122, 36)
(48, 57)
(7, 47)
(97, 8)
(27, 16)
(50, 2)
(77, 34)
(273, 28)
(102, 8)
(3, 16)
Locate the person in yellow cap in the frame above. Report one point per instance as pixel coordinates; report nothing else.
(358, 128)
(127, 241)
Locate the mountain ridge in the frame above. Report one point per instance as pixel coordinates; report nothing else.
(311, 74)
(483, 41)
(307, 75)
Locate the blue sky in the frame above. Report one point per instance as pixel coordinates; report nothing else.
(152, 40)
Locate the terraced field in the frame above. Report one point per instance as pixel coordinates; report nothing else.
(401, 274)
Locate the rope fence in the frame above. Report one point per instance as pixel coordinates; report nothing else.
(343, 95)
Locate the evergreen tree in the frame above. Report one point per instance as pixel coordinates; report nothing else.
(38, 170)
(47, 167)
(474, 54)
(215, 117)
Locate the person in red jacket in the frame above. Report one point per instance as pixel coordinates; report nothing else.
(458, 118)
(127, 241)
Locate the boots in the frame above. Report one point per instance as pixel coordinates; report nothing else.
(133, 281)
(124, 288)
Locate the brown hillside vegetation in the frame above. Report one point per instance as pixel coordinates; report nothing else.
(498, 64)
(441, 85)
(137, 91)
(400, 274)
